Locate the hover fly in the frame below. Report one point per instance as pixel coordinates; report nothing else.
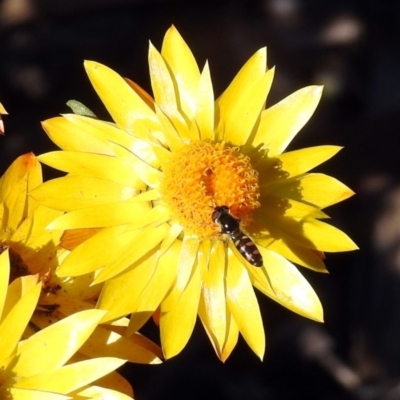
(231, 226)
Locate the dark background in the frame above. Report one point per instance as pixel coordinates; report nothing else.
(349, 46)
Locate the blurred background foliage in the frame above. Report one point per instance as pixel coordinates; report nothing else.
(351, 47)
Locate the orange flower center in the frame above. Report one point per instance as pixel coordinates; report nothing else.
(203, 175)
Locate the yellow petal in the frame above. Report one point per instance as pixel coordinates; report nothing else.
(300, 255)
(36, 245)
(170, 238)
(185, 71)
(240, 109)
(232, 336)
(61, 304)
(96, 253)
(300, 161)
(17, 289)
(105, 215)
(135, 348)
(23, 175)
(280, 123)
(187, 258)
(4, 275)
(212, 306)
(319, 189)
(243, 305)
(2, 109)
(148, 195)
(66, 305)
(59, 342)
(178, 315)
(308, 232)
(276, 206)
(136, 244)
(34, 180)
(164, 155)
(280, 227)
(205, 105)
(100, 393)
(126, 107)
(3, 217)
(76, 133)
(290, 288)
(326, 237)
(147, 283)
(16, 320)
(26, 164)
(324, 190)
(301, 210)
(26, 394)
(113, 385)
(15, 204)
(31, 233)
(172, 137)
(255, 67)
(75, 191)
(163, 85)
(162, 279)
(147, 173)
(71, 377)
(145, 96)
(90, 255)
(74, 237)
(94, 165)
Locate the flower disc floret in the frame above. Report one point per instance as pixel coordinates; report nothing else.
(203, 175)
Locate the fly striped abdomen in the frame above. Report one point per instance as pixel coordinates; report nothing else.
(247, 248)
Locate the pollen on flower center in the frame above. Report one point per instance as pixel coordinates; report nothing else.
(203, 175)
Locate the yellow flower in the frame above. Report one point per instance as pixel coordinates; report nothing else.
(151, 183)
(23, 220)
(34, 251)
(39, 367)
